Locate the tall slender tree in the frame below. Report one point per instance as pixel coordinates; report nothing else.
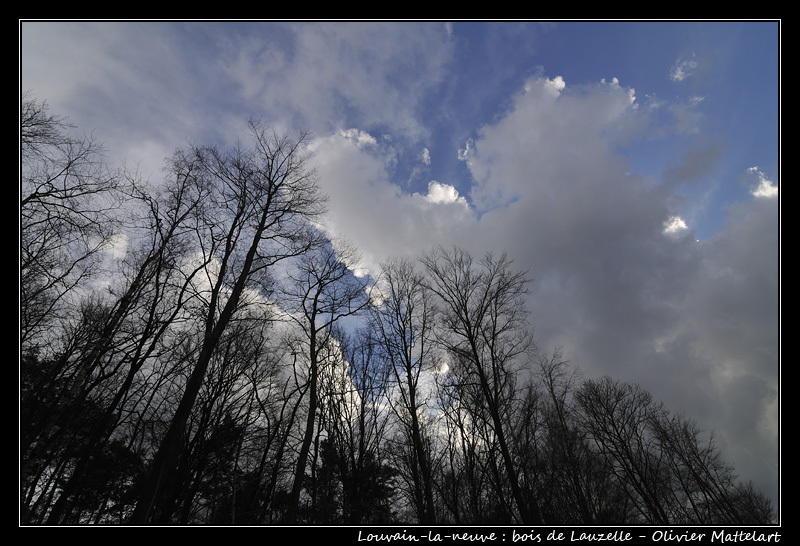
(403, 322)
(69, 198)
(484, 326)
(151, 293)
(321, 291)
(261, 200)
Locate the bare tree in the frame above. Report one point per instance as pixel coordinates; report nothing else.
(358, 425)
(217, 469)
(484, 326)
(158, 386)
(321, 291)
(461, 483)
(668, 473)
(617, 417)
(703, 487)
(261, 200)
(72, 332)
(279, 400)
(68, 203)
(145, 300)
(576, 486)
(403, 321)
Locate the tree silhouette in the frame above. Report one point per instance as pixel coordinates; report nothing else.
(197, 351)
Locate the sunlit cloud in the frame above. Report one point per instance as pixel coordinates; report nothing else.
(675, 225)
(764, 189)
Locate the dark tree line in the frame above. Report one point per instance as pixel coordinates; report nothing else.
(194, 351)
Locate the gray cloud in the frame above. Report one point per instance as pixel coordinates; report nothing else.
(694, 323)
(695, 163)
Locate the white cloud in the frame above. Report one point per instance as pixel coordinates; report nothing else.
(695, 100)
(425, 156)
(375, 214)
(683, 68)
(360, 138)
(325, 73)
(614, 83)
(764, 189)
(464, 153)
(443, 193)
(557, 84)
(675, 225)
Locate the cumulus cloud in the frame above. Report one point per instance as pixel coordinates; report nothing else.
(376, 214)
(675, 226)
(619, 283)
(443, 193)
(553, 137)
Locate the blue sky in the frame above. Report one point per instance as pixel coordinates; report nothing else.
(574, 146)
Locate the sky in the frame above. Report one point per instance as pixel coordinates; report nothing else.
(631, 167)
